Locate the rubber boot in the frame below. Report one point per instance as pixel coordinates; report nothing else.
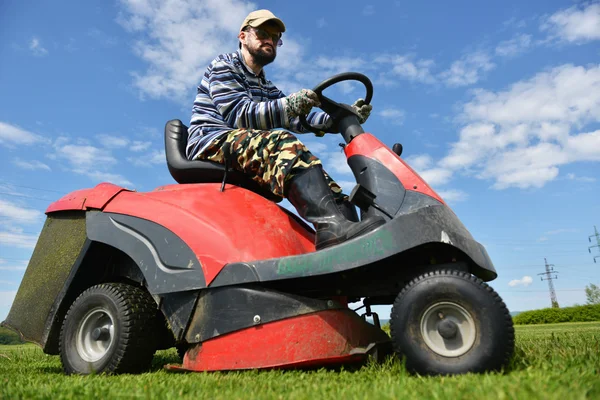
(312, 197)
(348, 210)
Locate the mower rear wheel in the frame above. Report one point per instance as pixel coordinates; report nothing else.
(109, 328)
(450, 322)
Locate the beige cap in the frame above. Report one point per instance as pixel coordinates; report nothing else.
(259, 17)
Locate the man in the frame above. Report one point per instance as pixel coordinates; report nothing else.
(236, 104)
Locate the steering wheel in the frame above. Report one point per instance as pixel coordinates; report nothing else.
(336, 110)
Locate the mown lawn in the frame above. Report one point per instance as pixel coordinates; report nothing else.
(560, 361)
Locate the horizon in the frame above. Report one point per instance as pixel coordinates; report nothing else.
(497, 106)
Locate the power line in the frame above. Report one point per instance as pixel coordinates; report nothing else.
(25, 196)
(597, 242)
(13, 259)
(29, 187)
(549, 278)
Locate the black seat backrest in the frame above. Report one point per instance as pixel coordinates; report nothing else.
(186, 171)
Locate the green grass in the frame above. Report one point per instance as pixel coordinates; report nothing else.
(559, 361)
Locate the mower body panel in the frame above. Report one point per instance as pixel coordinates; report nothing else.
(219, 227)
(86, 199)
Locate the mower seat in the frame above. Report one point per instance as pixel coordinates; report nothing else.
(186, 171)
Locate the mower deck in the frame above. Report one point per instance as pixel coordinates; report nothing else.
(324, 338)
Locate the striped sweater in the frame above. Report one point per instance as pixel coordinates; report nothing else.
(231, 96)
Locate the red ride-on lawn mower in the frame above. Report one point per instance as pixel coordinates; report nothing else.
(239, 283)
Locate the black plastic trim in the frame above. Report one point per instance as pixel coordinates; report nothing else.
(224, 310)
(378, 179)
(167, 262)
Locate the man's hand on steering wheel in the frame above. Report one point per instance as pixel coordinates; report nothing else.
(362, 109)
(337, 111)
(300, 103)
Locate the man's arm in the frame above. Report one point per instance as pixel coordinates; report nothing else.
(228, 93)
(319, 118)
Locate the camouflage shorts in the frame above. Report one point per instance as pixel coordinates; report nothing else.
(271, 158)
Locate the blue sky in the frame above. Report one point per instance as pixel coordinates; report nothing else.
(497, 104)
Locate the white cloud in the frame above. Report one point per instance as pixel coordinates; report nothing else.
(6, 300)
(84, 156)
(315, 147)
(521, 136)
(321, 23)
(31, 164)
(525, 281)
(292, 71)
(419, 162)
(394, 115)
(436, 176)
(103, 176)
(331, 155)
(88, 160)
(13, 265)
(36, 48)
(405, 66)
(453, 195)
(337, 163)
(423, 164)
(468, 70)
(12, 268)
(13, 211)
(178, 39)
(113, 142)
(11, 134)
(148, 160)
(140, 146)
(576, 24)
(517, 45)
(17, 239)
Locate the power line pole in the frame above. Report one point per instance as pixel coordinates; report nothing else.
(549, 271)
(597, 241)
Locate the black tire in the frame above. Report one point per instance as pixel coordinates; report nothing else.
(109, 328)
(476, 334)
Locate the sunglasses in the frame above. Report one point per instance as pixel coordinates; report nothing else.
(264, 35)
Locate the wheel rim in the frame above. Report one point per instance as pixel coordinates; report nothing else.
(448, 329)
(95, 334)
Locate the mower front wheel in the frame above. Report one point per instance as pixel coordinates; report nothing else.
(109, 328)
(450, 322)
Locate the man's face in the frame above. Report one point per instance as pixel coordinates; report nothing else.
(261, 43)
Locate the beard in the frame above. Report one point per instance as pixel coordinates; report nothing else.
(262, 57)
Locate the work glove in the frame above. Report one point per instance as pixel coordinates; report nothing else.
(300, 103)
(362, 110)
